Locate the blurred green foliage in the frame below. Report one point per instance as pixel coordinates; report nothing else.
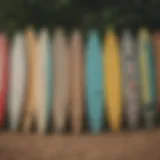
(17, 14)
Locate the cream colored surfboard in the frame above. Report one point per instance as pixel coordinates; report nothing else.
(112, 80)
(61, 80)
(30, 38)
(41, 81)
(17, 81)
(76, 81)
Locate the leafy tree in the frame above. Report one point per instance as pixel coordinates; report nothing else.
(18, 14)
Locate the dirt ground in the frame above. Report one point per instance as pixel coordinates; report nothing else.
(143, 145)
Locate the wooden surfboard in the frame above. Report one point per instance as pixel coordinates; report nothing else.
(112, 73)
(17, 80)
(94, 82)
(147, 71)
(3, 76)
(130, 79)
(156, 48)
(43, 81)
(76, 81)
(61, 79)
(31, 49)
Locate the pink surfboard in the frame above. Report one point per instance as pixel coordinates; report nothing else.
(76, 81)
(61, 80)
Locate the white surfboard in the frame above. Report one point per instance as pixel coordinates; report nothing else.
(17, 80)
(61, 80)
(43, 74)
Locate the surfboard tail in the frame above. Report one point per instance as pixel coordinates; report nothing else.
(149, 119)
(27, 125)
(95, 115)
(115, 120)
(59, 125)
(133, 116)
(2, 113)
(14, 122)
(158, 107)
(59, 118)
(76, 119)
(149, 116)
(41, 126)
(28, 119)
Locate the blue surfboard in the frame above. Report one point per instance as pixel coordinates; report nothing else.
(94, 82)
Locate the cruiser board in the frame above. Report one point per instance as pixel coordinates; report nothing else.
(31, 49)
(3, 76)
(94, 82)
(61, 79)
(112, 73)
(17, 80)
(130, 79)
(147, 72)
(156, 45)
(76, 81)
(43, 81)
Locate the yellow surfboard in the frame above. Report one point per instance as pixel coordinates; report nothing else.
(31, 48)
(112, 80)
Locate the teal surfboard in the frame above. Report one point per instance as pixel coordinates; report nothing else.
(94, 82)
(148, 77)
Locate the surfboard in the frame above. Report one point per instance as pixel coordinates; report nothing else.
(31, 49)
(130, 79)
(147, 71)
(156, 48)
(3, 76)
(112, 80)
(94, 82)
(61, 79)
(76, 81)
(43, 81)
(17, 80)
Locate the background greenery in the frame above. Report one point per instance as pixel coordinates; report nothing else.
(17, 14)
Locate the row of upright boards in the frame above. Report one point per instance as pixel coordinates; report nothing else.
(54, 79)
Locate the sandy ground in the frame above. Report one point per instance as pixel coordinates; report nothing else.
(143, 145)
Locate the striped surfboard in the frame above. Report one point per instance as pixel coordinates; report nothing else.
(31, 52)
(130, 79)
(147, 72)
